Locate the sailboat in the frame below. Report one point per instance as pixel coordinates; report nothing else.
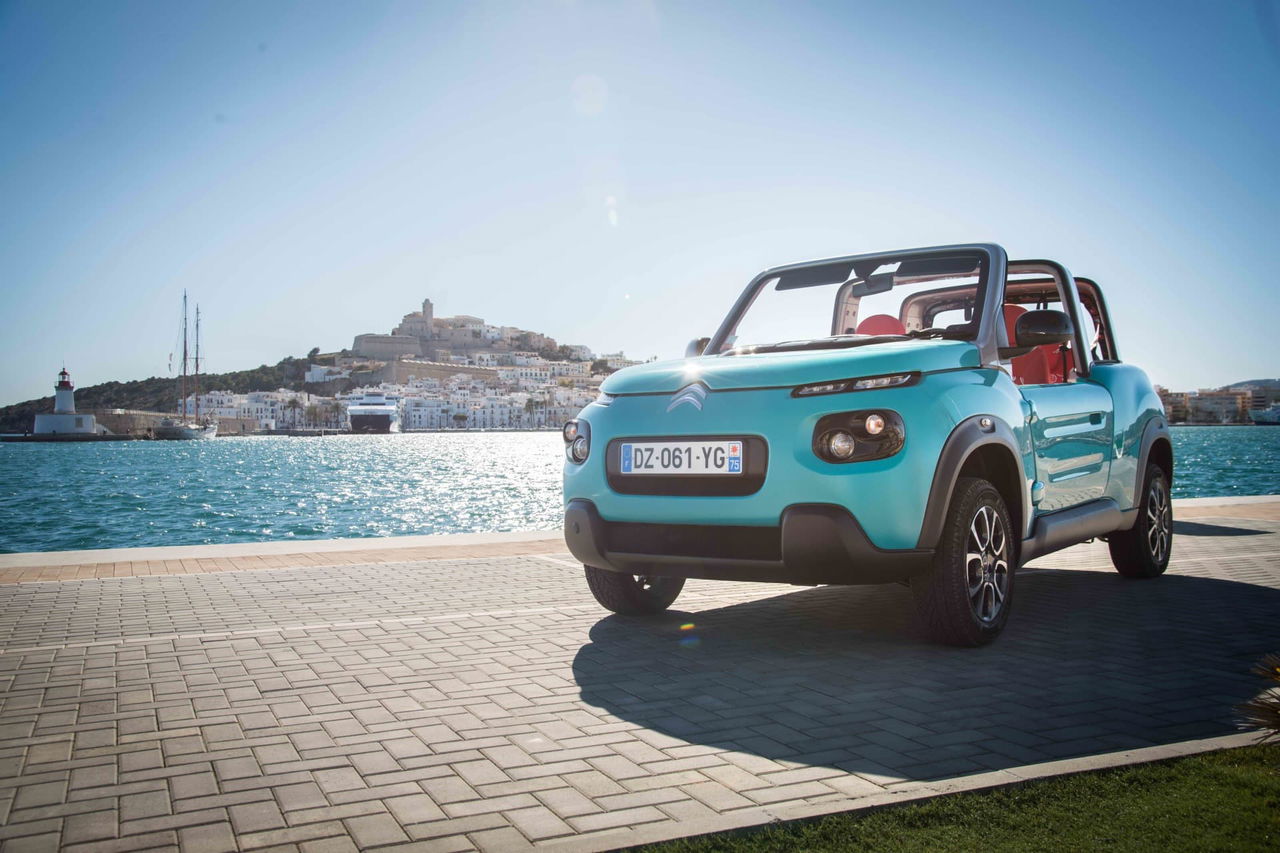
(184, 428)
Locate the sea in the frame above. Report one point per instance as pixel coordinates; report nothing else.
(56, 497)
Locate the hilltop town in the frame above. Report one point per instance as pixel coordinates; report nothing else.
(448, 373)
(440, 372)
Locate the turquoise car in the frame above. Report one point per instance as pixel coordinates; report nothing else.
(936, 417)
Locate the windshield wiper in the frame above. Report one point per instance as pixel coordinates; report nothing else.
(839, 342)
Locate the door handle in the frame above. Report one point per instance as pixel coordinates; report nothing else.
(1095, 418)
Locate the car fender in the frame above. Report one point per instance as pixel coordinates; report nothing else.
(1155, 432)
(968, 436)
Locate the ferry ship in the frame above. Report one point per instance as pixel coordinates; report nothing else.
(374, 412)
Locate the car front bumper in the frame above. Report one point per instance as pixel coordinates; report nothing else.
(812, 544)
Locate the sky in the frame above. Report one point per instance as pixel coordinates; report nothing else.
(612, 174)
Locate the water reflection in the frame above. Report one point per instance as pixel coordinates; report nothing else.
(59, 497)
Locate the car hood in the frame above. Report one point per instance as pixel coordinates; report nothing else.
(777, 369)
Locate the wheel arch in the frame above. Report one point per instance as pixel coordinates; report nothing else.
(1162, 455)
(980, 446)
(1157, 447)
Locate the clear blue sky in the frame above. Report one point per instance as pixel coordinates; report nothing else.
(613, 173)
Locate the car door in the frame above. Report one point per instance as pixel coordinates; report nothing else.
(1071, 427)
(1070, 417)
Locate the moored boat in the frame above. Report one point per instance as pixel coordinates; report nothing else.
(182, 427)
(1266, 417)
(172, 429)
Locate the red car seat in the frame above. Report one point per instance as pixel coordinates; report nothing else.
(881, 324)
(1061, 362)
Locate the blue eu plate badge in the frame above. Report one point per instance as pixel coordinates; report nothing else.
(735, 457)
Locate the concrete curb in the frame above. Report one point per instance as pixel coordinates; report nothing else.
(31, 559)
(35, 559)
(900, 794)
(1226, 501)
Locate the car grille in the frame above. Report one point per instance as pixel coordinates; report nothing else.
(715, 541)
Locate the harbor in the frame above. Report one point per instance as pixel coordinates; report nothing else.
(282, 488)
(465, 693)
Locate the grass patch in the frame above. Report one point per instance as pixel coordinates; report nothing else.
(1226, 800)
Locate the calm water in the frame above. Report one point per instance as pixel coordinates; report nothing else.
(126, 494)
(115, 495)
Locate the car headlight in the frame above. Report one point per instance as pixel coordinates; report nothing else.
(840, 444)
(858, 436)
(577, 440)
(865, 383)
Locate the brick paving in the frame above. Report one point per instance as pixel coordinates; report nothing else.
(487, 702)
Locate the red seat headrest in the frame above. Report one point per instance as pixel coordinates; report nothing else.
(881, 324)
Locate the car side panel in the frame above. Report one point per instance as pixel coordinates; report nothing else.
(1071, 429)
(1136, 404)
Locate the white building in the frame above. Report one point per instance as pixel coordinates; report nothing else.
(569, 368)
(617, 361)
(270, 409)
(324, 373)
(527, 376)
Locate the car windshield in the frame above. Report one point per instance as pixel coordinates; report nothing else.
(860, 303)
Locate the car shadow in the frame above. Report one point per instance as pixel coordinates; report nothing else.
(1199, 528)
(842, 677)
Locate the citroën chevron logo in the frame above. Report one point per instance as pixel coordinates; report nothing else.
(691, 394)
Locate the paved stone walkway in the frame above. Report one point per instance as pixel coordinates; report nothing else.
(489, 703)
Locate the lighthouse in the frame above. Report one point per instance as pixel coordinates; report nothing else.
(64, 420)
(64, 395)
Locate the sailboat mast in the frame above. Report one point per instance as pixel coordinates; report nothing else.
(197, 362)
(182, 405)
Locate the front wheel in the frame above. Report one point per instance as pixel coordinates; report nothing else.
(1143, 550)
(632, 595)
(964, 599)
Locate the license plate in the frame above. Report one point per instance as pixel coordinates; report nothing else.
(682, 457)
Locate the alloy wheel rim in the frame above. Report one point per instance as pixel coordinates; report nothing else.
(1159, 521)
(987, 564)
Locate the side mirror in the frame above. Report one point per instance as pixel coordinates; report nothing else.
(695, 347)
(1037, 328)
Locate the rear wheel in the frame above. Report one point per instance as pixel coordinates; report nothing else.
(964, 599)
(1143, 550)
(632, 595)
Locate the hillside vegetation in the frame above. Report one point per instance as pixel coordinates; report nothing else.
(159, 394)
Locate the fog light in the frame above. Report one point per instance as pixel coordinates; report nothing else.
(580, 448)
(570, 431)
(874, 424)
(841, 445)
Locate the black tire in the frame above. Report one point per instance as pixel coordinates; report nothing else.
(1143, 550)
(632, 595)
(964, 599)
